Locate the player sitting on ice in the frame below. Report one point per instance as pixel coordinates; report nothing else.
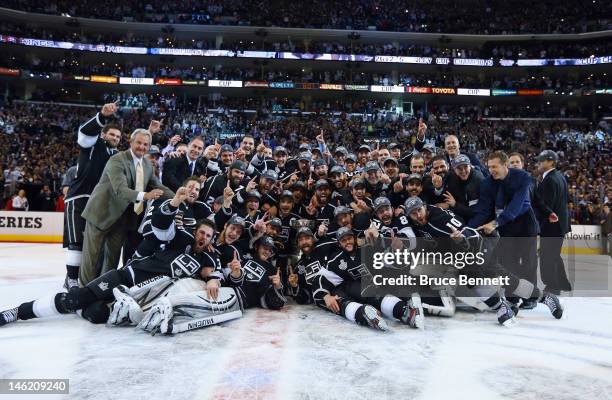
(300, 276)
(337, 288)
(434, 223)
(256, 280)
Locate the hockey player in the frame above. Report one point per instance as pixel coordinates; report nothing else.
(182, 258)
(390, 226)
(257, 281)
(215, 185)
(338, 286)
(320, 207)
(375, 185)
(301, 275)
(350, 163)
(338, 177)
(190, 210)
(286, 236)
(97, 142)
(231, 242)
(358, 200)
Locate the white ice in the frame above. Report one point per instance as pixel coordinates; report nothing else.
(303, 352)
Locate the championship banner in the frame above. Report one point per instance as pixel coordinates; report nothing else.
(403, 60)
(474, 62)
(33, 227)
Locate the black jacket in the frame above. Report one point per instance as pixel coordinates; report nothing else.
(466, 193)
(552, 197)
(176, 170)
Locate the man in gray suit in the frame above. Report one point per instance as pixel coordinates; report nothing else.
(127, 182)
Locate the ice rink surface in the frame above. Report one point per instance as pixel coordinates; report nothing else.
(305, 353)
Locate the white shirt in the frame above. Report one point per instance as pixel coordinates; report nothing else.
(189, 162)
(137, 161)
(546, 173)
(20, 203)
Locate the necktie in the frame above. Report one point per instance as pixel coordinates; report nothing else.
(191, 167)
(139, 206)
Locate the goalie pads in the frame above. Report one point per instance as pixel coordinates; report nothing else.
(131, 304)
(147, 292)
(125, 311)
(183, 312)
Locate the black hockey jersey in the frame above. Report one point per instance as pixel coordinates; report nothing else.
(162, 223)
(440, 226)
(307, 270)
(254, 287)
(340, 267)
(93, 155)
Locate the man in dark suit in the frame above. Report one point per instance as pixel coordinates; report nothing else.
(177, 169)
(504, 205)
(127, 182)
(552, 198)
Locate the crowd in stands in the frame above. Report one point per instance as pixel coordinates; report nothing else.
(443, 16)
(490, 49)
(37, 140)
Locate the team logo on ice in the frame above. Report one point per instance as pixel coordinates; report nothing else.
(103, 286)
